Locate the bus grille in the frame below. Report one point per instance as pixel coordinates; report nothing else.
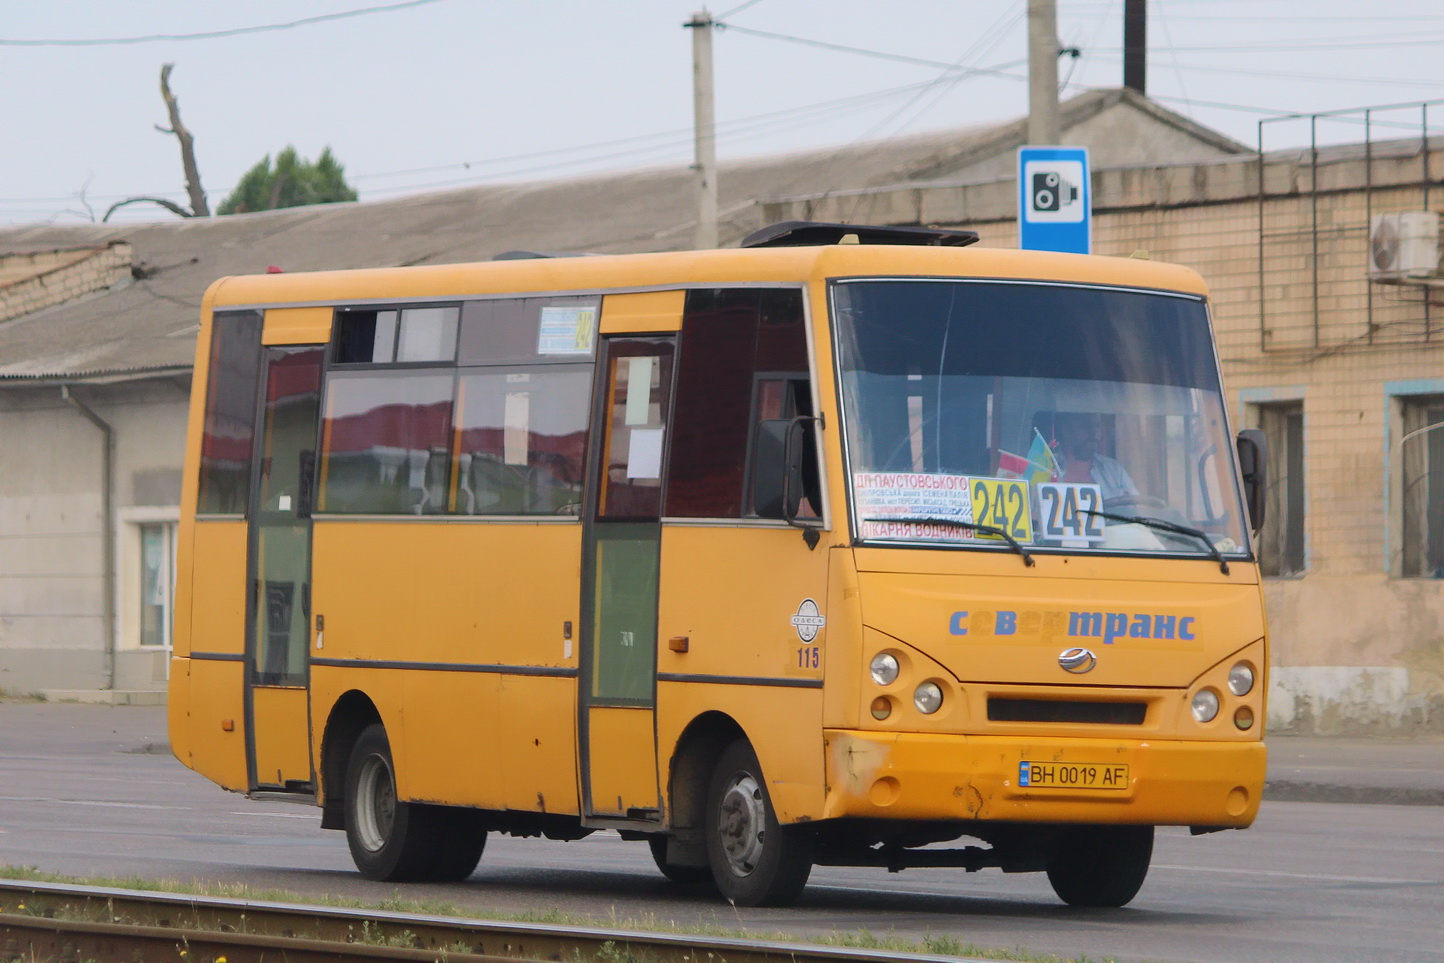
(1057, 710)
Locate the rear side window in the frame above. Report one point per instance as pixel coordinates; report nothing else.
(230, 420)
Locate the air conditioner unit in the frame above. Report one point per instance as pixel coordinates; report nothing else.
(1404, 245)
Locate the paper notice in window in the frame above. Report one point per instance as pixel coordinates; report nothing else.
(514, 437)
(639, 390)
(566, 330)
(644, 453)
(913, 505)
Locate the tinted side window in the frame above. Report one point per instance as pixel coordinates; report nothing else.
(512, 330)
(743, 357)
(521, 439)
(230, 420)
(385, 442)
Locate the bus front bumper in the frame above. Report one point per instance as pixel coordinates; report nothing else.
(1054, 780)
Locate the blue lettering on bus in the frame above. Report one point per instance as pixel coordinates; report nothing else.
(1109, 626)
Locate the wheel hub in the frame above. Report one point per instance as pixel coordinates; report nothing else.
(742, 824)
(375, 803)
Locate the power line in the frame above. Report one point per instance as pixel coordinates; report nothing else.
(736, 9)
(215, 34)
(1284, 75)
(1387, 41)
(666, 140)
(825, 45)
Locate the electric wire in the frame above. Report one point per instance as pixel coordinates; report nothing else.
(215, 34)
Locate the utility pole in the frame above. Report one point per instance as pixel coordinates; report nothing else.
(1042, 72)
(702, 26)
(1135, 44)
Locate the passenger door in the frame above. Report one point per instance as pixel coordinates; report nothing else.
(621, 553)
(279, 572)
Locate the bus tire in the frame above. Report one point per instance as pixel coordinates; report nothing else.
(461, 837)
(1101, 865)
(394, 841)
(755, 861)
(684, 875)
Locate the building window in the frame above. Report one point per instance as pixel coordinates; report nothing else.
(1420, 462)
(157, 582)
(1281, 543)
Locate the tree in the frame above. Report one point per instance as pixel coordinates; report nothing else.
(188, 160)
(292, 182)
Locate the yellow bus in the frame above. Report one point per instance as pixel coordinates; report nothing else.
(826, 550)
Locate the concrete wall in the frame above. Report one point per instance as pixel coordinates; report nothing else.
(52, 580)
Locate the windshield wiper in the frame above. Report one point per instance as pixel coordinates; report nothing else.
(1163, 526)
(1016, 545)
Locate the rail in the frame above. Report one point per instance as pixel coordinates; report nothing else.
(56, 921)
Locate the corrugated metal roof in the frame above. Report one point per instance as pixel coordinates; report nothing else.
(149, 323)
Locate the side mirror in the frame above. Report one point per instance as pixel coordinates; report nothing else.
(777, 470)
(1253, 458)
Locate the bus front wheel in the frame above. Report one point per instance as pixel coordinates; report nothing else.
(1101, 865)
(397, 841)
(755, 860)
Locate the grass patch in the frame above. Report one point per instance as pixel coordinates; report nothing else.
(647, 923)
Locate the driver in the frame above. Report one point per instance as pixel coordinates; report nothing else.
(1078, 436)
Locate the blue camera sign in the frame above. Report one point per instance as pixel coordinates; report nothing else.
(1054, 200)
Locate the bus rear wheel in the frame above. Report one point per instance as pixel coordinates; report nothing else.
(755, 861)
(396, 841)
(1101, 865)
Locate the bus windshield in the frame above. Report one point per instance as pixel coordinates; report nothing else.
(1051, 416)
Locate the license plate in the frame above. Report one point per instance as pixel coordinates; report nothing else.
(1072, 775)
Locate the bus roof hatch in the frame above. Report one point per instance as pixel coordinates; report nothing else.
(806, 233)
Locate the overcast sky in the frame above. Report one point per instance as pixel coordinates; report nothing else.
(442, 93)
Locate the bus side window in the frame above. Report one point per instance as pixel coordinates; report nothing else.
(742, 359)
(230, 422)
(385, 440)
(521, 436)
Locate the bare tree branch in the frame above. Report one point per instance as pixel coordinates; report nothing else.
(171, 206)
(199, 208)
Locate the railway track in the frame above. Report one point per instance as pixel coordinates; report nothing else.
(64, 923)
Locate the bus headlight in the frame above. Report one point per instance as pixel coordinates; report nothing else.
(1243, 718)
(1240, 679)
(884, 668)
(1205, 705)
(928, 697)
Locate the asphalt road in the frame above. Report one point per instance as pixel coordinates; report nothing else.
(91, 791)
